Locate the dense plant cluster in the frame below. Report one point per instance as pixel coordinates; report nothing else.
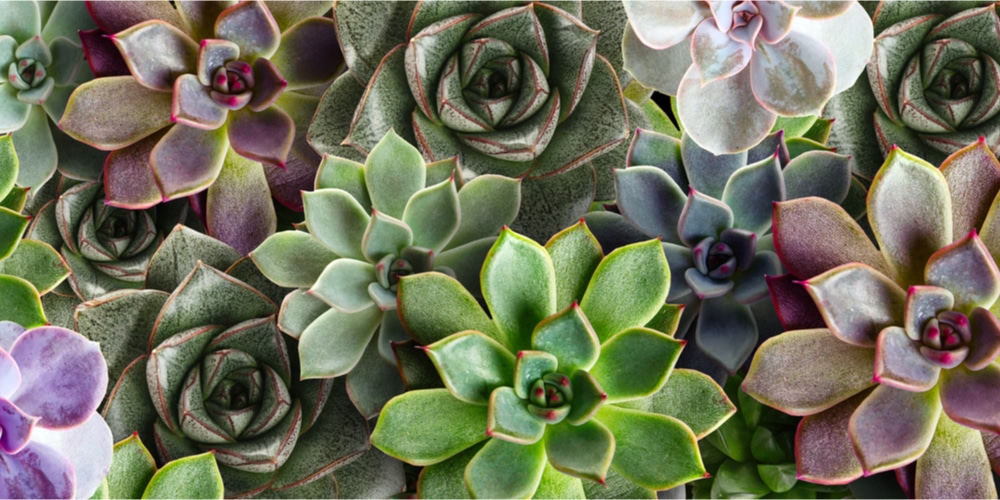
(499, 249)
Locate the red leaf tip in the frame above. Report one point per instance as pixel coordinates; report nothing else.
(982, 139)
(894, 147)
(707, 475)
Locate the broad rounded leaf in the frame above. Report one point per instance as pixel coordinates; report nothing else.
(428, 426)
(702, 107)
(857, 302)
(583, 451)
(505, 470)
(156, 53)
(196, 476)
(793, 77)
(635, 363)
(114, 112)
(292, 259)
(892, 427)
(472, 365)
(337, 220)
(334, 343)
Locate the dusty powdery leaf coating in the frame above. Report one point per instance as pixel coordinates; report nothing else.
(744, 63)
(917, 321)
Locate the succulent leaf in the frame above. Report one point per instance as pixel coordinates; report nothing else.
(472, 365)
(633, 348)
(882, 446)
(457, 425)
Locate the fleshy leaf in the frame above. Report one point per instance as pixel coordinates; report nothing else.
(433, 213)
(828, 371)
(434, 306)
(472, 365)
(187, 160)
(635, 363)
(818, 173)
(114, 112)
(156, 53)
(569, 337)
(751, 191)
(488, 202)
(627, 289)
(640, 186)
(386, 235)
(907, 242)
(575, 253)
(892, 427)
(701, 107)
(428, 426)
(703, 217)
(693, 398)
(968, 396)
(529, 367)
(505, 470)
(857, 302)
(344, 285)
(196, 476)
(334, 343)
(394, 172)
(939, 473)
(519, 286)
(966, 269)
(251, 26)
(292, 259)
(726, 331)
(583, 451)
(131, 468)
(784, 83)
(973, 177)
(337, 220)
(37, 263)
(899, 363)
(654, 451)
(12, 226)
(825, 450)
(510, 420)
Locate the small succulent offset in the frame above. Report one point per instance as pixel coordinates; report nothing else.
(752, 455)
(348, 266)
(211, 96)
(54, 444)
(716, 238)
(134, 474)
(42, 64)
(205, 368)
(745, 63)
(28, 268)
(565, 380)
(931, 87)
(512, 88)
(903, 369)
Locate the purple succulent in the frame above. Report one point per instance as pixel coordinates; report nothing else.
(212, 96)
(893, 365)
(52, 443)
(744, 63)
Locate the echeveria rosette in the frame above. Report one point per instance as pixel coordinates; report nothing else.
(54, 444)
(28, 268)
(212, 96)
(745, 63)
(42, 63)
(134, 474)
(716, 237)
(563, 388)
(511, 88)
(204, 367)
(752, 455)
(900, 368)
(931, 86)
(347, 266)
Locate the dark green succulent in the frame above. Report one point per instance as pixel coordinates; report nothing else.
(563, 388)
(368, 226)
(519, 89)
(134, 474)
(204, 367)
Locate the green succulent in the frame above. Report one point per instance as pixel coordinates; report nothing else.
(931, 87)
(752, 455)
(713, 213)
(893, 362)
(348, 265)
(200, 365)
(43, 63)
(134, 474)
(215, 101)
(28, 268)
(564, 389)
(521, 89)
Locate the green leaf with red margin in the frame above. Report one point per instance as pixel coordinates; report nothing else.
(36, 262)
(196, 476)
(434, 306)
(627, 289)
(575, 253)
(428, 426)
(21, 303)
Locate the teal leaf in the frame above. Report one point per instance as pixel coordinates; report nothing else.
(488, 203)
(334, 343)
(703, 217)
(341, 173)
(386, 235)
(292, 259)
(751, 192)
(433, 214)
(394, 172)
(337, 220)
(344, 285)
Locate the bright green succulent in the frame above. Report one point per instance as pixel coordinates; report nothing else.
(514, 88)
(902, 369)
(752, 455)
(200, 365)
(42, 63)
(563, 387)
(134, 474)
(216, 100)
(348, 265)
(713, 213)
(932, 85)
(28, 268)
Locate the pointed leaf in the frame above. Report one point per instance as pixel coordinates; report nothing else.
(893, 427)
(344, 285)
(114, 112)
(703, 217)
(519, 286)
(251, 26)
(196, 476)
(385, 235)
(305, 56)
(899, 363)
(582, 451)
(973, 177)
(695, 399)
(968, 396)
(650, 200)
(180, 252)
(818, 173)
(37, 263)
(654, 451)
(627, 289)
(433, 213)
(529, 367)
(472, 365)
(966, 269)
(22, 304)
(569, 337)
(292, 259)
(575, 253)
(509, 418)
(828, 371)
(434, 306)
(857, 302)
(938, 472)
(428, 426)
(187, 160)
(635, 363)
(337, 220)
(394, 172)
(505, 470)
(156, 53)
(488, 202)
(825, 453)
(332, 344)
(131, 468)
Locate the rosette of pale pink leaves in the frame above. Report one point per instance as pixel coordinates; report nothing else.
(901, 370)
(744, 63)
(212, 96)
(53, 444)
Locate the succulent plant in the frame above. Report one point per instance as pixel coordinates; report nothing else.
(42, 61)
(28, 268)
(752, 455)
(717, 237)
(569, 379)
(54, 444)
(902, 369)
(205, 368)
(347, 267)
(213, 94)
(930, 88)
(134, 474)
(745, 63)
(511, 88)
